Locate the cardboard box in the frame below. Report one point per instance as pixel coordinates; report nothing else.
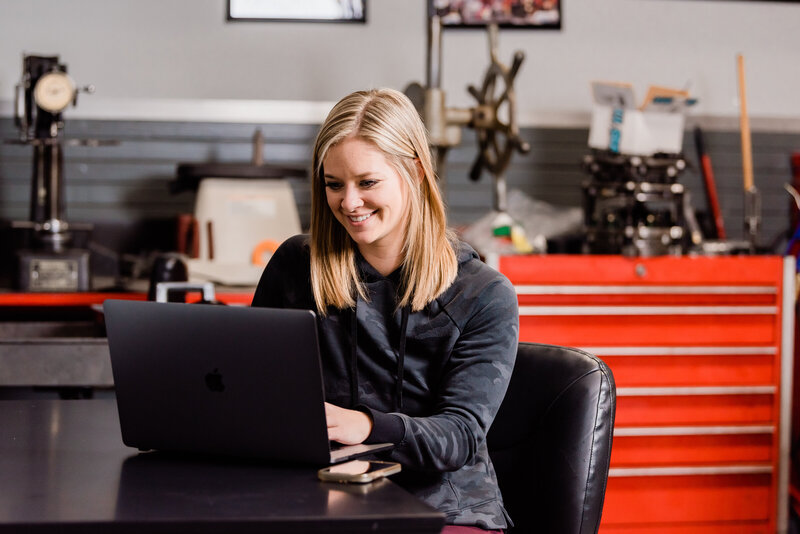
(620, 126)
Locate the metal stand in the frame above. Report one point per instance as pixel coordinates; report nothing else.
(498, 138)
(52, 263)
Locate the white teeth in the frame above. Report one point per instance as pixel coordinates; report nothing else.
(362, 218)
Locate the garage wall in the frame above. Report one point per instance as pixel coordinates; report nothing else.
(184, 49)
(124, 184)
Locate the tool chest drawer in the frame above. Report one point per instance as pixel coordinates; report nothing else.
(584, 328)
(679, 409)
(695, 366)
(688, 500)
(685, 446)
(701, 350)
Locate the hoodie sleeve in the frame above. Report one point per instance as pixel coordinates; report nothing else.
(473, 385)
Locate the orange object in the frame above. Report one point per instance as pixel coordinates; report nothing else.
(688, 504)
(268, 245)
(709, 449)
(63, 299)
(696, 345)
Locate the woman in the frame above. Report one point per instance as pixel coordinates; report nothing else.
(418, 336)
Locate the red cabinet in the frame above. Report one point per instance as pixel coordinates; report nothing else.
(701, 349)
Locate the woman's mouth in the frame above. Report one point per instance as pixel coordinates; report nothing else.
(360, 218)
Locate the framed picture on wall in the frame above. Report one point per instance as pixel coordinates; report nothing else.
(545, 14)
(298, 11)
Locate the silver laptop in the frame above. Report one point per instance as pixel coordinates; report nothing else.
(228, 380)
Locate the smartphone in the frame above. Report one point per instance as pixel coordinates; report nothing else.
(358, 471)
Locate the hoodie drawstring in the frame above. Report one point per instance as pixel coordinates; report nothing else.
(354, 357)
(401, 354)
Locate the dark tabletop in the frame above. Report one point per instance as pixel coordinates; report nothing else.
(63, 468)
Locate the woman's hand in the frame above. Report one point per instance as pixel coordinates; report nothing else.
(347, 426)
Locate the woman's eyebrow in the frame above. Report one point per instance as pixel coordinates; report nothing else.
(362, 175)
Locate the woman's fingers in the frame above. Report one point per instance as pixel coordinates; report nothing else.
(347, 426)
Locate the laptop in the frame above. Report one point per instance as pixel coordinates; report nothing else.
(227, 380)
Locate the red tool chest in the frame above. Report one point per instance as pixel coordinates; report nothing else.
(701, 349)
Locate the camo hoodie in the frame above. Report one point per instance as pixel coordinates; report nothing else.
(431, 380)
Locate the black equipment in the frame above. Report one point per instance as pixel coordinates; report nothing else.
(633, 205)
(50, 261)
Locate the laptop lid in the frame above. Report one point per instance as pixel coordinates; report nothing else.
(222, 380)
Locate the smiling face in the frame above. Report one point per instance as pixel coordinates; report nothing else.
(369, 197)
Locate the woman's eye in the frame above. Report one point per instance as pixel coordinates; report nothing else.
(368, 183)
(333, 186)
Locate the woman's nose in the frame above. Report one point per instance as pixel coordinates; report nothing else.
(351, 200)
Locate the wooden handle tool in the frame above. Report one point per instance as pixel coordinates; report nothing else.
(744, 125)
(752, 197)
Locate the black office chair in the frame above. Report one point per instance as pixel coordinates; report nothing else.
(551, 440)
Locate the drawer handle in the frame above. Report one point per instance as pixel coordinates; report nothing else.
(671, 391)
(644, 290)
(647, 310)
(646, 431)
(689, 470)
(681, 351)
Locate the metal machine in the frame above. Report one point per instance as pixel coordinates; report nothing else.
(50, 261)
(493, 118)
(243, 212)
(634, 205)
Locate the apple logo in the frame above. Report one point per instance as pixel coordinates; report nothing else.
(214, 381)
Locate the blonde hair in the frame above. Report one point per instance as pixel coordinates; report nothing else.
(388, 120)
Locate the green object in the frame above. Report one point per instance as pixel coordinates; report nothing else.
(504, 230)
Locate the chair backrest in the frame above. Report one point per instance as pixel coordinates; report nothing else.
(551, 440)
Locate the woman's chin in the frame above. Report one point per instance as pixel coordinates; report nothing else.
(360, 239)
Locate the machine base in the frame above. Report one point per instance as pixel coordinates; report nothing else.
(42, 271)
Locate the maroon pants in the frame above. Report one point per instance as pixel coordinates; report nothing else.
(459, 529)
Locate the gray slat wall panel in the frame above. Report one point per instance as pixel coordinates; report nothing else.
(129, 181)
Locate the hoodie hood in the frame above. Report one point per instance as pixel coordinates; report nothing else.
(465, 253)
